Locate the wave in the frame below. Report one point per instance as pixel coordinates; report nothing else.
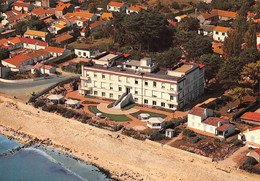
(49, 157)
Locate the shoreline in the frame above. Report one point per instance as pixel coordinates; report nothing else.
(125, 158)
(34, 142)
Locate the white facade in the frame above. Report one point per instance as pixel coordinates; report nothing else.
(155, 123)
(220, 33)
(144, 65)
(251, 136)
(86, 53)
(153, 89)
(117, 8)
(258, 39)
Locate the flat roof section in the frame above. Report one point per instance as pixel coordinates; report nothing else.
(183, 68)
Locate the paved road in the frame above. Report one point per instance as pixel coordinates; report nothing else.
(22, 90)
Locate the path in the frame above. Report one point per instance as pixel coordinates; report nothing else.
(235, 156)
(76, 95)
(136, 124)
(103, 108)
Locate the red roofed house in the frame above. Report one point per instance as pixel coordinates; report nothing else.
(199, 119)
(117, 7)
(17, 62)
(220, 33)
(251, 137)
(135, 9)
(19, 6)
(41, 45)
(57, 52)
(251, 118)
(96, 25)
(44, 69)
(29, 43)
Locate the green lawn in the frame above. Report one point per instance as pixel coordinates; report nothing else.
(113, 117)
(129, 106)
(151, 114)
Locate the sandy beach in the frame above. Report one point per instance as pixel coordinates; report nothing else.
(126, 158)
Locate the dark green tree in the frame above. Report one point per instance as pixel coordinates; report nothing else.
(170, 57)
(20, 28)
(4, 53)
(36, 24)
(87, 31)
(232, 44)
(250, 36)
(212, 64)
(188, 24)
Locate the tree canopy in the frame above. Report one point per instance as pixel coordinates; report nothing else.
(4, 53)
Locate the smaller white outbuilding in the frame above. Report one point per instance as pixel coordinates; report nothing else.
(72, 103)
(169, 133)
(56, 98)
(155, 122)
(143, 116)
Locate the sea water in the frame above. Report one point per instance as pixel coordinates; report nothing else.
(43, 163)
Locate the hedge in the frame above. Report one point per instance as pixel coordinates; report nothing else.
(63, 59)
(248, 108)
(157, 136)
(195, 140)
(189, 133)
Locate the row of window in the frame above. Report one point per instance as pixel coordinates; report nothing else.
(84, 53)
(222, 33)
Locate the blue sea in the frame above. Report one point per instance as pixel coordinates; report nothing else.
(43, 164)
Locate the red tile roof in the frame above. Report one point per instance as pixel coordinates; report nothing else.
(97, 23)
(54, 49)
(42, 44)
(9, 13)
(117, 4)
(63, 38)
(223, 127)
(21, 4)
(137, 7)
(28, 40)
(257, 151)
(40, 65)
(16, 11)
(198, 111)
(17, 60)
(251, 116)
(216, 12)
(212, 121)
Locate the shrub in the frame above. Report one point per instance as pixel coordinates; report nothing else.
(39, 103)
(157, 136)
(61, 110)
(250, 107)
(189, 133)
(32, 99)
(250, 161)
(195, 140)
(118, 127)
(69, 114)
(51, 108)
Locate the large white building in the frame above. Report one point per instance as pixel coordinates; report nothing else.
(220, 33)
(251, 137)
(148, 85)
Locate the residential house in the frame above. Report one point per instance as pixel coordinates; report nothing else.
(57, 28)
(216, 15)
(41, 45)
(116, 7)
(62, 9)
(41, 13)
(17, 62)
(57, 52)
(89, 16)
(218, 48)
(86, 52)
(64, 39)
(106, 16)
(39, 55)
(251, 137)
(180, 18)
(4, 4)
(135, 9)
(220, 33)
(44, 69)
(8, 14)
(22, 6)
(199, 119)
(82, 22)
(206, 30)
(171, 89)
(251, 118)
(155, 123)
(29, 43)
(45, 36)
(96, 25)
(10, 43)
(255, 154)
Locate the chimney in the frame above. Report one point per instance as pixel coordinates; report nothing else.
(219, 124)
(205, 112)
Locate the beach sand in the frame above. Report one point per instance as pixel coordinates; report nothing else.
(126, 158)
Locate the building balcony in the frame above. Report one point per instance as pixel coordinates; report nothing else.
(87, 88)
(85, 78)
(172, 102)
(171, 91)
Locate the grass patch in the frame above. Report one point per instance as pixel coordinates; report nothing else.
(89, 96)
(152, 114)
(113, 117)
(129, 106)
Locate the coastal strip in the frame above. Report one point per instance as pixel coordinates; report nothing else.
(125, 158)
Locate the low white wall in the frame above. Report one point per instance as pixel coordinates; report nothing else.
(26, 80)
